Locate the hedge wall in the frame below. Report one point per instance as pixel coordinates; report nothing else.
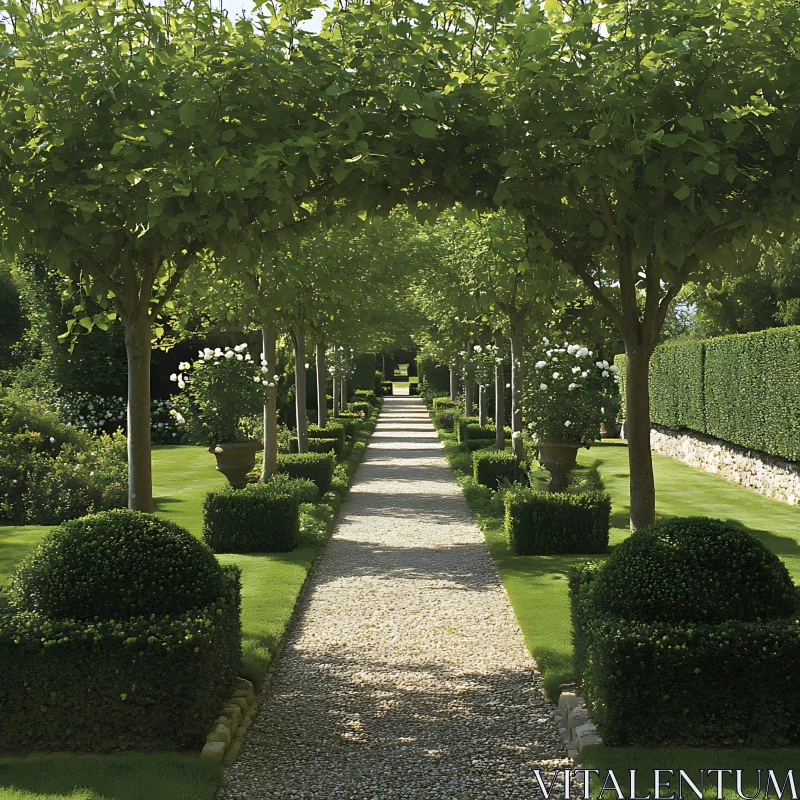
(317, 467)
(676, 386)
(744, 389)
(94, 686)
(752, 390)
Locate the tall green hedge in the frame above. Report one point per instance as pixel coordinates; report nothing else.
(752, 390)
(676, 386)
(744, 389)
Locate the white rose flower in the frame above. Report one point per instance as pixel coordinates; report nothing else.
(575, 369)
(477, 348)
(173, 377)
(606, 373)
(184, 365)
(543, 387)
(181, 385)
(573, 386)
(605, 364)
(572, 349)
(240, 347)
(256, 379)
(306, 365)
(567, 423)
(239, 357)
(545, 340)
(247, 357)
(583, 352)
(508, 386)
(555, 360)
(556, 375)
(599, 364)
(229, 354)
(613, 368)
(218, 352)
(52, 440)
(276, 377)
(540, 364)
(515, 435)
(264, 370)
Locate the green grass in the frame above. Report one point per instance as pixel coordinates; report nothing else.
(16, 541)
(134, 777)
(537, 585)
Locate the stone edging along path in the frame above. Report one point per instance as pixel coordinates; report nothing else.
(404, 671)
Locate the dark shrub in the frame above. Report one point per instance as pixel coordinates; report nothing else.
(364, 407)
(544, 523)
(694, 570)
(379, 384)
(261, 518)
(154, 683)
(318, 467)
(387, 388)
(413, 389)
(317, 446)
(366, 395)
(117, 565)
(333, 430)
(581, 579)
(441, 403)
(351, 424)
(490, 467)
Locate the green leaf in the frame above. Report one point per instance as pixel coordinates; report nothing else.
(597, 133)
(426, 128)
(340, 172)
(596, 228)
(187, 113)
(692, 124)
(683, 192)
(733, 130)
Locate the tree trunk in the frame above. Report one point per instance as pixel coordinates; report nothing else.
(335, 397)
(469, 396)
(322, 386)
(453, 384)
(140, 469)
(270, 467)
(482, 412)
(516, 386)
(637, 432)
(344, 394)
(499, 399)
(300, 388)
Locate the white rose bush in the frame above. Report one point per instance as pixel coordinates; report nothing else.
(226, 389)
(563, 395)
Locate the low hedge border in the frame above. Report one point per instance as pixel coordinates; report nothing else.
(491, 467)
(545, 523)
(318, 467)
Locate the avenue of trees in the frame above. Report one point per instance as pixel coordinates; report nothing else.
(581, 160)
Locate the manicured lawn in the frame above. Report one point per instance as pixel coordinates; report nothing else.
(134, 777)
(537, 586)
(16, 541)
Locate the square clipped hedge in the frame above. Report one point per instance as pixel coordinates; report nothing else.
(335, 431)
(257, 519)
(316, 446)
(364, 407)
(366, 395)
(545, 523)
(490, 467)
(144, 684)
(318, 467)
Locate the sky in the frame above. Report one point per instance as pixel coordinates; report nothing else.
(236, 7)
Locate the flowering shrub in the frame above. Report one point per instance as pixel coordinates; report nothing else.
(97, 413)
(564, 392)
(50, 472)
(226, 390)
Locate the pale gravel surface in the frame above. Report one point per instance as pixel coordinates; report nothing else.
(405, 673)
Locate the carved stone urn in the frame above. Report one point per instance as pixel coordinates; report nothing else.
(558, 458)
(235, 460)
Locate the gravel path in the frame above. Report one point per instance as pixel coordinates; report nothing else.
(405, 674)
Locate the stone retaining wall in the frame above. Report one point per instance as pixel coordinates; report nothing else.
(772, 477)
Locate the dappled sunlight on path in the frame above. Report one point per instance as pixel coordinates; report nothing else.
(405, 673)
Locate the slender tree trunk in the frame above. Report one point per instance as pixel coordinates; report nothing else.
(516, 385)
(499, 399)
(270, 467)
(335, 397)
(469, 396)
(322, 386)
(344, 394)
(453, 384)
(637, 432)
(300, 388)
(482, 412)
(140, 470)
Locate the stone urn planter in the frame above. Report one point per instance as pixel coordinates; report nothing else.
(609, 430)
(558, 458)
(235, 460)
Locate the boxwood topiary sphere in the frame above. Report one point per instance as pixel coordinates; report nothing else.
(117, 565)
(694, 570)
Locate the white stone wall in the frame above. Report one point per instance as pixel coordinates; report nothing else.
(772, 477)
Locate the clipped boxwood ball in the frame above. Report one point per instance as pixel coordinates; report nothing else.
(694, 569)
(117, 565)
